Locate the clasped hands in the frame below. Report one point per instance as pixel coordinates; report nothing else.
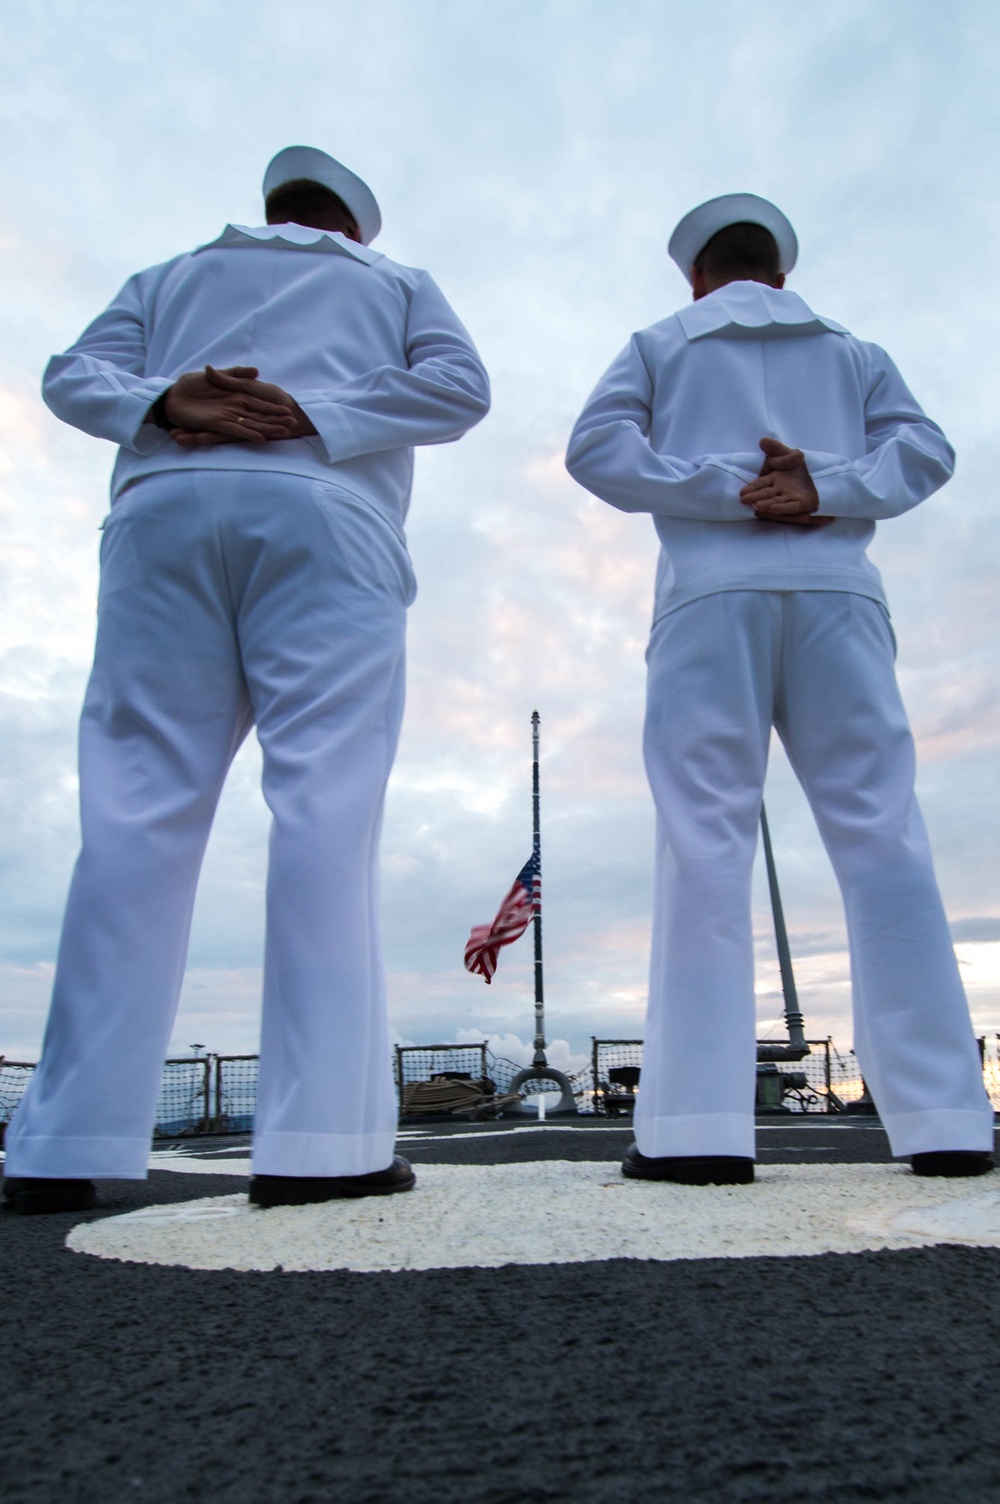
(231, 406)
(784, 490)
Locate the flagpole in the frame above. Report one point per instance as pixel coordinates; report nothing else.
(539, 1056)
(539, 1069)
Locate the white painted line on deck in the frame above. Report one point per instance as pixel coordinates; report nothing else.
(186, 1163)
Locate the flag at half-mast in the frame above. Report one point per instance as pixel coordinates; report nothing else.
(514, 915)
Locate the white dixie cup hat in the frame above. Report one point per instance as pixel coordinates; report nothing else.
(697, 228)
(296, 162)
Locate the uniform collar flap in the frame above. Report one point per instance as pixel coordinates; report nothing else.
(293, 238)
(752, 309)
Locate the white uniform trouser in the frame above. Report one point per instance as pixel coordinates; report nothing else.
(818, 666)
(229, 598)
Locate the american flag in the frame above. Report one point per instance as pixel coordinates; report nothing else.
(514, 915)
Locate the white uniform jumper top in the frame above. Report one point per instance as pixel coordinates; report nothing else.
(369, 349)
(745, 361)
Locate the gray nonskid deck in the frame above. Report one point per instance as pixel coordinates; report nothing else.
(838, 1377)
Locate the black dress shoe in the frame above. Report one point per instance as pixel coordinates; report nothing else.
(302, 1190)
(37, 1194)
(953, 1162)
(697, 1169)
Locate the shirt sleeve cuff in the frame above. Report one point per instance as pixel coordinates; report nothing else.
(737, 470)
(819, 463)
(143, 436)
(334, 438)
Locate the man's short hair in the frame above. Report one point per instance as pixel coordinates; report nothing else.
(742, 250)
(301, 197)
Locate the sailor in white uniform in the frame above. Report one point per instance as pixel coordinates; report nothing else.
(254, 572)
(769, 612)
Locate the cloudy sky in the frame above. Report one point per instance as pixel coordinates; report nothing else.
(534, 155)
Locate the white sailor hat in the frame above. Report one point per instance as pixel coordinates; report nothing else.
(308, 162)
(697, 228)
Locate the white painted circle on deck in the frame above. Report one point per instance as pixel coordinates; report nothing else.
(554, 1212)
(968, 1218)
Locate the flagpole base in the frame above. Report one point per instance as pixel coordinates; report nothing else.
(567, 1102)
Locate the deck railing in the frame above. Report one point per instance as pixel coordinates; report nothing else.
(203, 1094)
